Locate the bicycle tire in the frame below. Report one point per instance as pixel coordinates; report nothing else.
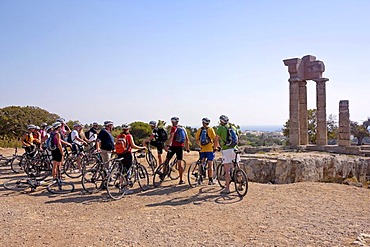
(61, 187)
(158, 176)
(93, 181)
(193, 174)
(16, 166)
(221, 175)
(142, 177)
(240, 180)
(38, 169)
(115, 182)
(70, 167)
(16, 184)
(174, 174)
(151, 160)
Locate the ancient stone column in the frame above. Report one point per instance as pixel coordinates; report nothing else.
(294, 132)
(303, 115)
(344, 124)
(321, 131)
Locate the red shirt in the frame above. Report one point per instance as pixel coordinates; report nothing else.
(128, 141)
(174, 142)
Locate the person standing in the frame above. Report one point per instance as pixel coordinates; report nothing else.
(157, 139)
(105, 142)
(228, 154)
(176, 144)
(205, 138)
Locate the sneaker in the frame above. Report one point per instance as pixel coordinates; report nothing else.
(225, 191)
(210, 182)
(181, 182)
(199, 182)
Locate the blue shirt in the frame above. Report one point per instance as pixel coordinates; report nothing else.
(106, 139)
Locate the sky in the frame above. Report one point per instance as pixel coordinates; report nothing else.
(126, 61)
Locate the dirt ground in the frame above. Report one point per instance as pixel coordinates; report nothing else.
(301, 214)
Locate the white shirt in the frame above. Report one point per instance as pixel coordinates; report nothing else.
(75, 134)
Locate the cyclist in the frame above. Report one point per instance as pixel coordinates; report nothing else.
(92, 133)
(27, 139)
(176, 147)
(228, 154)
(77, 143)
(205, 138)
(37, 136)
(57, 154)
(130, 144)
(157, 139)
(105, 142)
(43, 130)
(64, 129)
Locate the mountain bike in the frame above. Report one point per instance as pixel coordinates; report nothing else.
(95, 179)
(197, 172)
(238, 176)
(120, 179)
(169, 168)
(20, 184)
(71, 167)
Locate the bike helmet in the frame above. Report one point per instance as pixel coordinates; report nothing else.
(175, 119)
(224, 119)
(48, 128)
(61, 120)
(77, 125)
(57, 125)
(106, 123)
(37, 128)
(126, 126)
(206, 120)
(153, 123)
(44, 124)
(31, 126)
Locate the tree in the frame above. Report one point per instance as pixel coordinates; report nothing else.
(360, 131)
(332, 127)
(140, 131)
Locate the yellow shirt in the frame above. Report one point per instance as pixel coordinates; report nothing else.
(211, 134)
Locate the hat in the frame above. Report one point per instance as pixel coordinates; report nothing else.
(106, 123)
(57, 125)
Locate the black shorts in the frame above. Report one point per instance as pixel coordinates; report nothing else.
(175, 150)
(127, 160)
(158, 145)
(56, 155)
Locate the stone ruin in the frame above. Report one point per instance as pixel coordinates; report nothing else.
(301, 70)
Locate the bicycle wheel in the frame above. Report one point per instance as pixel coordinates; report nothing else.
(221, 175)
(16, 184)
(116, 183)
(241, 182)
(92, 180)
(60, 187)
(151, 160)
(70, 168)
(159, 176)
(142, 177)
(16, 164)
(174, 171)
(193, 174)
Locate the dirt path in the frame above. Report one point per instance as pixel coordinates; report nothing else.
(301, 214)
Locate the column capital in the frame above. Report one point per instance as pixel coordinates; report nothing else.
(321, 80)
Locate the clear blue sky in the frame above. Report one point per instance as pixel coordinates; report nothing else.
(142, 60)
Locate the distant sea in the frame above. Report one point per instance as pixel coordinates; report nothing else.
(269, 128)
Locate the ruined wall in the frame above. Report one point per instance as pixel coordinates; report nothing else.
(290, 168)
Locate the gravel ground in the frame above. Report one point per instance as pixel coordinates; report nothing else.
(301, 214)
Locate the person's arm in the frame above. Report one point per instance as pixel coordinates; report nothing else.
(133, 145)
(80, 140)
(197, 137)
(24, 137)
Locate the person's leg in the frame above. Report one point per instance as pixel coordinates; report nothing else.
(105, 158)
(160, 151)
(227, 168)
(210, 157)
(179, 156)
(54, 171)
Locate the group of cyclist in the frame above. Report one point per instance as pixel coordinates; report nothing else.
(104, 142)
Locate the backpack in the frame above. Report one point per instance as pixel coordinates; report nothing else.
(69, 137)
(203, 137)
(232, 138)
(121, 145)
(87, 134)
(50, 145)
(180, 135)
(162, 135)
